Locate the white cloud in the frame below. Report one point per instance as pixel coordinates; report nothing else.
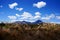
(45, 18)
(12, 17)
(26, 15)
(13, 5)
(37, 15)
(39, 4)
(14, 20)
(58, 17)
(55, 22)
(17, 15)
(19, 9)
(48, 17)
(52, 16)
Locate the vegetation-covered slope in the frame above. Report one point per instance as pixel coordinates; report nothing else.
(41, 31)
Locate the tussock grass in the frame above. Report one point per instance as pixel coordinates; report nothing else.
(45, 31)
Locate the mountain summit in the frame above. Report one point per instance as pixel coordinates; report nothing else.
(37, 22)
(25, 22)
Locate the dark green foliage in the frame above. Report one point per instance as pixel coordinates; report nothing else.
(2, 24)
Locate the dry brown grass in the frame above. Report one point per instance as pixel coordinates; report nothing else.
(28, 32)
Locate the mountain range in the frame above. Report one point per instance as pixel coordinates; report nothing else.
(25, 22)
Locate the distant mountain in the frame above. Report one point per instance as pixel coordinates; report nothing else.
(25, 22)
(37, 22)
(22, 22)
(19, 22)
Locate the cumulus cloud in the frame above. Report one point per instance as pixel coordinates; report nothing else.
(12, 17)
(39, 4)
(26, 15)
(37, 15)
(45, 18)
(13, 5)
(58, 17)
(52, 16)
(48, 17)
(19, 9)
(17, 15)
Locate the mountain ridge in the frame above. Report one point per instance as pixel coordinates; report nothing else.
(25, 22)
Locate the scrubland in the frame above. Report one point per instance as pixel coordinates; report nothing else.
(15, 31)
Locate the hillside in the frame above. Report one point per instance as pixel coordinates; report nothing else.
(29, 31)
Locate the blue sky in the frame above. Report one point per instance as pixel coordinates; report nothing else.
(30, 10)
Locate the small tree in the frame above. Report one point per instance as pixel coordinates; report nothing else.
(2, 25)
